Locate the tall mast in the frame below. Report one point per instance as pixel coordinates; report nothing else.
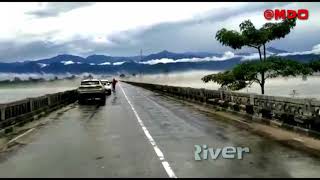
(140, 54)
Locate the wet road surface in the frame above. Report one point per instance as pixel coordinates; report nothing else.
(139, 133)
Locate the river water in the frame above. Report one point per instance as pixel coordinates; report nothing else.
(14, 92)
(309, 88)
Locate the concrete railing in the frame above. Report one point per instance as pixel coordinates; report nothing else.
(20, 112)
(290, 113)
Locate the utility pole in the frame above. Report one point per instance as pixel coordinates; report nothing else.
(140, 73)
(140, 54)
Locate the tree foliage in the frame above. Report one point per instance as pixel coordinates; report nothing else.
(315, 65)
(245, 74)
(249, 72)
(252, 37)
(226, 79)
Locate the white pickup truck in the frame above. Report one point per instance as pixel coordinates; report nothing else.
(91, 89)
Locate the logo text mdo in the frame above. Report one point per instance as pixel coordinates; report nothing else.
(281, 14)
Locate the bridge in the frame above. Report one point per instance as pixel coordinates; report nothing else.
(147, 130)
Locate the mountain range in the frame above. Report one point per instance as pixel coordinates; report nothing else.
(162, 62)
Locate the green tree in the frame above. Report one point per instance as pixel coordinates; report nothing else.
(255, 38)
(315, 66)
(244, 74)
(17, 79)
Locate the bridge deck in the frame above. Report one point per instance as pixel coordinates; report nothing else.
(116, 140)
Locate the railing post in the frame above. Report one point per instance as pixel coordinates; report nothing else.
(202, 95)
(3, 113)
(251, 99)
(221, 94)
(31, 104)
(49, 100)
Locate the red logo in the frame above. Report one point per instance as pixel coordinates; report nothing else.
(301, 14)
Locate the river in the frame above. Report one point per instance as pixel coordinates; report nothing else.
(279, 87)
(13, 92)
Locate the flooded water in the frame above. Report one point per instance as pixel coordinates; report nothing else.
(279, 87)
(14, 92)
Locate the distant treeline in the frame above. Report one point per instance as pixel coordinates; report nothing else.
(34, 80)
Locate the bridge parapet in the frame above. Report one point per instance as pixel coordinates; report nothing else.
(289, 112)
(22, 111)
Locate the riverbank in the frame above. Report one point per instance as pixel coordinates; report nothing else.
(33, 80)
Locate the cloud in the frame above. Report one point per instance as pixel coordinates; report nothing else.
(105, 63)
(157, 61)
(229, 55)
(225, 56)
(252, 56)
(118, 63)
(67, 62)
(14, 51)
(11, 51)
(42, 65)
(52, 9)
(103, 28)
(194, 34)
(315, 50)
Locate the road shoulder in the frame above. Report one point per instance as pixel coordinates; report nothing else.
(20, 133)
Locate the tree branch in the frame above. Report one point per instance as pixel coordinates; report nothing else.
(257, 80)
(264, 52)
(253, 46)
(259, 54)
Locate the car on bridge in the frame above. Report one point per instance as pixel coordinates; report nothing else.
(91, 89)
(107, 86)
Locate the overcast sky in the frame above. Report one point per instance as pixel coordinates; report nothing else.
(35, 30)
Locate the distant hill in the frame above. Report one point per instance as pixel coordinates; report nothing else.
(96, 59)
(276, 51)
(115, 64)
(171, 55)
(202, 54)
(99, 59)
(133, 67)
(62, 57)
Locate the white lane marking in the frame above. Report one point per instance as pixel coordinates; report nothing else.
(159, 153)
(25, 133)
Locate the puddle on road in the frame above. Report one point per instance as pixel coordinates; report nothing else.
(99, 157)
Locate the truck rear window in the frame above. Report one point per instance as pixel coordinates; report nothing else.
(90, 83)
